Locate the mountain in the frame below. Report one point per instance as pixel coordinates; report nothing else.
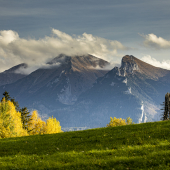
(13, 74)
(136, 89)
(59, 84)
(79, 92)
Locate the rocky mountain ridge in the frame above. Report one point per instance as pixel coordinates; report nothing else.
(79, 92)
(62, 82)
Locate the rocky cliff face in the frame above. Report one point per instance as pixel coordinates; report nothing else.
(128, 65)
(147, 83)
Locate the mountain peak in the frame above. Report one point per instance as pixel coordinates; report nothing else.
(15, 68)
(129, 64)
(79, 62)
(13, 74)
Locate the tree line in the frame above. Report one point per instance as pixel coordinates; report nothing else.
(16, 121)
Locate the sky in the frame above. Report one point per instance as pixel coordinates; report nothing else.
(35, 31)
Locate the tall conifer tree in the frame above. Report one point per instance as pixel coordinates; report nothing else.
(166, 107)
(7, 96)
(25, 117)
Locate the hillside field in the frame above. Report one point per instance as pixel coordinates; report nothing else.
(138, 146)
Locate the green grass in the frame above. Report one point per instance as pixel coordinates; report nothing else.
(138, 146)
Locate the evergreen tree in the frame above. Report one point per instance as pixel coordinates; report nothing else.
(7, 96)
(166, 108)
(25, 117)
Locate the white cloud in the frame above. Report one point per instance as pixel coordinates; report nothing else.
(15, 50)
(150, 60)
(151, 40)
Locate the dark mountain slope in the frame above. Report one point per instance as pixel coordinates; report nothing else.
(11, 75)
(60, 83)
(136, 89)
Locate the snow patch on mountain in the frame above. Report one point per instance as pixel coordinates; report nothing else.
(142, 108)
(125, 81)
(145, 118)
(128, 91)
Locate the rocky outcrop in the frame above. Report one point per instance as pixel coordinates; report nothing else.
(128, 65)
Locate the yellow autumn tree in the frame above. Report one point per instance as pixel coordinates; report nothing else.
(129, 121)
(16, 119)
(10, 121)
(119, 122)
(36, 125)
(52, 126)
(116, 122)
(6, 126)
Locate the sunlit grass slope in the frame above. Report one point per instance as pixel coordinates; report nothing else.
(138, 146)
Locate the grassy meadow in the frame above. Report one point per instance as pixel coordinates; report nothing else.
(138, 146)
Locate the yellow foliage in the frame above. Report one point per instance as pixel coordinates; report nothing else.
(10, 121)
(5, 123)
(119, 122)
(52, 126)
(129, 121)
(36, 125)
(16, 119)
(116, 122)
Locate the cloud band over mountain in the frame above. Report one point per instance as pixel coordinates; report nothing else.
(15, 50)
(164, 64)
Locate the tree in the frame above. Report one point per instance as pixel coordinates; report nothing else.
(52, 126)
(36, 125)
(25, 117)
(6, 126)
(116, 122)
(10, 120)
(166, 108)
(6, 95)
(119, 122)
(16, 120)
(15, 104)
(129, 121)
